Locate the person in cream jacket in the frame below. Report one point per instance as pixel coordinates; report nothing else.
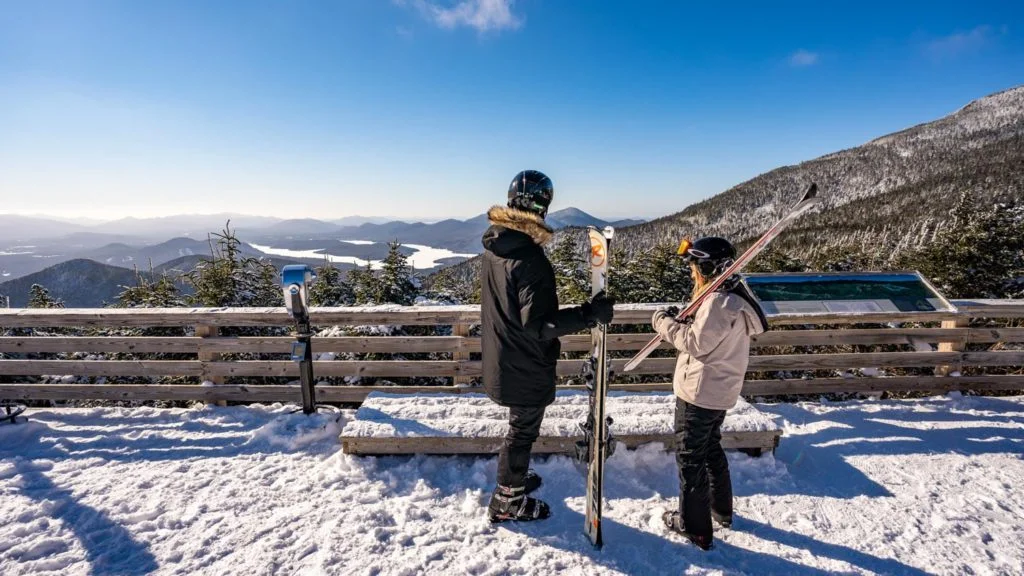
(714, 347)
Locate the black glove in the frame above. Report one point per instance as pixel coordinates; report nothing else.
(673, 313)
(601, 308)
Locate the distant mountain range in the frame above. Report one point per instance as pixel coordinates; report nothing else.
(58, 260)
(128, 242)
(460, 236)
(14, 227)
(34, 229)
(79, 283)
(574, 217)
(82, 283)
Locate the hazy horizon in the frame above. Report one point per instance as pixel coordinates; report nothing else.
(102, 221)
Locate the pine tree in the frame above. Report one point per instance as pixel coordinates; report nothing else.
(672, 281)
(39, 297)
(980, 254)
(849, 258)
(445, 286)
(364, 285)
(396, 282)
(628, 277)
(330, 289)
(572, 281)
(776, 260)
(654, 275)
(162, 293)
(229, 279)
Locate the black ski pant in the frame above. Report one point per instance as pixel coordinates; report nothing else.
(514, 457)
(704, 482)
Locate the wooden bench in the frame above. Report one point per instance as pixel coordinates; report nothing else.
(472, 424)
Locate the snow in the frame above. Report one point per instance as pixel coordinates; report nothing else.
(859, 487)
(424, 256)
(474, 415)
(427, 257)
(318, 254)
(359, 242)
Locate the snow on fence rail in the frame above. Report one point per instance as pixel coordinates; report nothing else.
(952, 336)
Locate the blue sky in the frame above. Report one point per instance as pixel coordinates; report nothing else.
(427, 108)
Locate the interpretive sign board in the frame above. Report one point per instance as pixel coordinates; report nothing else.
(845, 293)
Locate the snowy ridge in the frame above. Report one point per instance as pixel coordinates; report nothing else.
(890, 193)
(476, 416)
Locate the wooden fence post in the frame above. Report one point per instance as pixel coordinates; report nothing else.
(960, 346)
(205, 331)
(461, 355)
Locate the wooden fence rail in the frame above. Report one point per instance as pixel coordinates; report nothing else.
(469, 344)
(207, 355)
(427, 315)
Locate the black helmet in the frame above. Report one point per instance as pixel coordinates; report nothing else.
(531, 191)
(711, 254)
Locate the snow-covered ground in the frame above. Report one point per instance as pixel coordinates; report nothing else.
(886, 487)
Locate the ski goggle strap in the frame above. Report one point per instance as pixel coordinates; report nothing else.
(688, 252)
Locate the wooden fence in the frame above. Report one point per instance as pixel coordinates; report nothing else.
(452, 357)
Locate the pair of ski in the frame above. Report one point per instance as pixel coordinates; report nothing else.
(596, 444)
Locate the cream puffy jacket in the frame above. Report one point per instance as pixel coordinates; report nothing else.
(714, 350)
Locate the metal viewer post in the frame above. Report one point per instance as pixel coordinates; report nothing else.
(295, 282)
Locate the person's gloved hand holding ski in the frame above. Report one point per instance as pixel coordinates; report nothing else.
(673, 313)
(600, 309)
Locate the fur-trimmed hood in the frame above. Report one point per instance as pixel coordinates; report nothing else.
(521, 221)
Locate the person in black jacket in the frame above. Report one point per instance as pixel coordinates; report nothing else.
(520, 325)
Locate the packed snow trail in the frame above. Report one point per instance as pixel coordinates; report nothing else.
(883, 487)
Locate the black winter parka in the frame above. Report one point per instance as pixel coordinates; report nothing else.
(520, 317)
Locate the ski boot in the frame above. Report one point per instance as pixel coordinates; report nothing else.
(531, 481)
(674, 523)
(508, 503)
(723, 520)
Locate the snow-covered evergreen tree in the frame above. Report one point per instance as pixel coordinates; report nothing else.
(394, 283)
(980, 254)
(330, 289)
(572, 279)
(39, 297)
(776, 260)
(655, 275)
(229, 279)
(447, 287)
(161, 293)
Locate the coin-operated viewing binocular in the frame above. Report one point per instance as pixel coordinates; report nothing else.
(295, 282)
